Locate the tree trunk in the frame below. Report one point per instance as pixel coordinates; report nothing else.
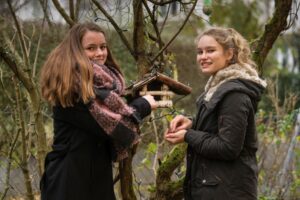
(125, 170)
(139, 38)
(165, 189)
(139, 55)
(21, 123)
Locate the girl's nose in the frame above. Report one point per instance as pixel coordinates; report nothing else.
(203, 55)
(99, 51)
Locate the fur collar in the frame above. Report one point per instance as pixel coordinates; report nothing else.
(234, 71)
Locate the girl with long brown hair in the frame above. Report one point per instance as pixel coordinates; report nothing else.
(93, 125)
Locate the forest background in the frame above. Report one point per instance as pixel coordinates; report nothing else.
(149, 35)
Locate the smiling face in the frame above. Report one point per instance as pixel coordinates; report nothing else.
(95, 47)
(211, 56)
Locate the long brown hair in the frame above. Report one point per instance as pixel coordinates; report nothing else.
(67, 74)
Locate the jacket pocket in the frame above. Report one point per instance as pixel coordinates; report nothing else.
(204, 177)
(205, 185)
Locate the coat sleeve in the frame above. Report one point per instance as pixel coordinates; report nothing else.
(117, 118)
(228, 142)
(141, 106)
(142, 109)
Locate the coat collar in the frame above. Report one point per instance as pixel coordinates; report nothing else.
(231, 72)
(252, 89)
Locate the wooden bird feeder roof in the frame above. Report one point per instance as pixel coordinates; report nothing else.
(159, 79)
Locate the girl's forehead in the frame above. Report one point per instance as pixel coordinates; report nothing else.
(207, 41)
(93, 36)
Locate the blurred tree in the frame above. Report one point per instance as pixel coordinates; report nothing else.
(246, 20)
(25, 98)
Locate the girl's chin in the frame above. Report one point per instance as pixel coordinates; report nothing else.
(99, 62)
(206, 72)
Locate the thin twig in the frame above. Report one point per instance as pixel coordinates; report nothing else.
(38, 48)
(77, 8)
(4, 89)
(115, 25)
(290, 153)
(21, 36)
(175, 35)
(44, 4)
(162, 3)
(11, 150)
(157, 144)
(154, 24)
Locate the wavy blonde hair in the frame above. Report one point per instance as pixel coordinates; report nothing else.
(67, 75)
(229, 38)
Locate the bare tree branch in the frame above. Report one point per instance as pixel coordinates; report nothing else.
(13, 63)
(289, 157)
(157, 144)
(162, 2)
(175, 35)
(153, 38)
(63, 13)
(4, 89)
(154, 24)
(8, 56)
(165, 20)
(115, 25)
(21, 123)
(44, 4)
(277, 24)
(21, 36)
(38, 48)
(9, 160)
(71, 10)
(77, 8)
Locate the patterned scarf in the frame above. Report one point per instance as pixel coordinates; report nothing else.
(110, 110)
(233, 71)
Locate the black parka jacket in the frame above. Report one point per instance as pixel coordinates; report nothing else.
(80, 165)
(222, 144)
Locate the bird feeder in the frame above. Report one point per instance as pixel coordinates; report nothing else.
(162, 87)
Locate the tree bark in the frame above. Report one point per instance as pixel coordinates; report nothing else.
(165, 188)
(63, 13)
(278, 23)
(139, 42)
(125, 170)
(21, 128)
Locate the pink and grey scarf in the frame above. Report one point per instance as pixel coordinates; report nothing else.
(111, 112)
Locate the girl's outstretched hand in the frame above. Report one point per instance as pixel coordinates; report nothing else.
(175, 137)
(180, 122)
(151, 101)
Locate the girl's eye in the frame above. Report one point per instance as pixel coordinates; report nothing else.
(210, 50)
(199, 52)
(103, 47)
(91, 48)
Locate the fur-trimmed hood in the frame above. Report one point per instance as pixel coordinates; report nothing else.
(235, 71)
